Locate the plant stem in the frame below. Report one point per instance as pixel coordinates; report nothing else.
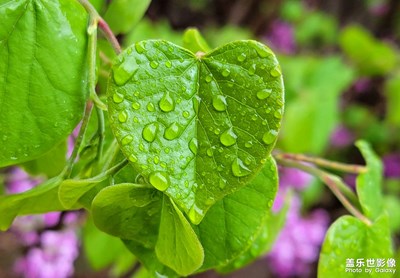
(333, 182)
(349, 168)
(100, 133)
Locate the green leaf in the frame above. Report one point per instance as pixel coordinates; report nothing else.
(122, 15)
(128, 211)
(369, 184)
(350, 238)
(50, 164)
(392, 89)
(193, 40)
(40, 199)
(233, 223)
(197, 128)
(42, 75)
(103, 250)
(374, 57)
(178, 246)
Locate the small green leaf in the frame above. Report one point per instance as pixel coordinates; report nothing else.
(178, 246)
(42, 75)
(128, 211)
(369, 184)
(194, 41)
(350, 238)
(122, 15)
(197, 128)
(40, 199)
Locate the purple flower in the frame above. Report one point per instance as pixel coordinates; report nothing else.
(298, 245)
(54, 258)
(362, 84)
(19, 181)
(281, 37)
(341, 137)
(391, 163)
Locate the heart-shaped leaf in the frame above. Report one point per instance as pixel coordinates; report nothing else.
(196, 126)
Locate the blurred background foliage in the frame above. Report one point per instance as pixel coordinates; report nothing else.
(340, 61)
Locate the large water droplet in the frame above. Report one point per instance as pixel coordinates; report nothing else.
(263, 94)
(156, 159)
(166, 103)
(248, 144)
(139, 48)
(269, 136)
(159, 180)
(228, 138)
(136, 105)
(239, 169)
(118, 98)
(154, 64)
(173, 131)
(132, 158)
(262, 51)
(219, 103)
(195, 215)
(275, 72)
(149, 132)
(127, 139)
(241, 57)
(193, 145)
(226, 72)
(122, 116)
(124, 72)
(150, 107)
(278, 114)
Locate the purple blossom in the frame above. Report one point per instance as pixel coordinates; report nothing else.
(298, 244)
(281, 37)
(362, 84)
(391, 164)
(341, 137)
(54, 258)
(18, 181)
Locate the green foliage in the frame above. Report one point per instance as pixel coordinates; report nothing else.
(193, 41)
(196, 127)
(392, 93)
(40, 106)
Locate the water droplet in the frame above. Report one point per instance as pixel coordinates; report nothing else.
(275, 72)
(228, 138)
(248, 144)
(270, 136)
(136, 94)
(141, 147)
(185, 114)
(139, 48)
(168, 64)
(193, 145)
(241, 57)
(195, 215)
(268, 110)
(173, 131)
(149, 132)
(210, 152)
(262, 51)
(122, 116)
(217, 131)
(239, 169)
(222, 183)
(263, 160)
(163, 164)
(252, 69)
(156, 159)
(167, 150)
(132, 158)
(127, 139)
(136, 105)
(270, 203)
(278, 114)
(209, 78)
(196, 103)
(159, 180)
(226, 73)
(219, 103)
(124, 72)
(118, 98)
(166, 103)
(154, 64)
(150, 107)
(135, 119)
(263, 94)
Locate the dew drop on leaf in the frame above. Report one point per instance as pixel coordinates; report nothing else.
(139, 48)
(228, 138)
(173, 131)
(168, 64)
(150, 107)
(262, 51)
(222, 183)
(269, 136)
(132, 158)
(275, 72)
(127, 139)
(209, 78)
(118, 98)
(122, 116)
(136, 105)
(225, 72)
(248, 144)
(239, 169)
(263, 94)
(193, 145)
(154, 64)
(241, 57)
(219, 103)
(210, 152)
(159, 180)
(166, 103)
(156, 159)
(252, 69)
(149, 132)
(278, 114)
(124, 72)
(185, 114)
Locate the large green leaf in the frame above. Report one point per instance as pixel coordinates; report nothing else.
(178, 246)
(369, 184)
(196, 127)
(350, 238)
(42, 75)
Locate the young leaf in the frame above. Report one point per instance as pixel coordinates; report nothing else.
(369, 184)
(233, 223)
(128, 211)
(42, 75)
(194, 41)
(350, 238)
(197, 128)
(41, 199)
(178, 246)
